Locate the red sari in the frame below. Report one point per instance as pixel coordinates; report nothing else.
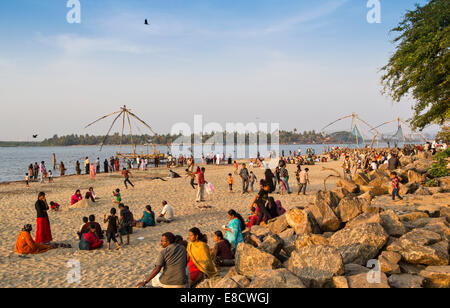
(43, 231)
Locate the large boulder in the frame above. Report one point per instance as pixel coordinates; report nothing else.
(260, 231)
(340, 282)
(298, 219)
(412, 216)
(392, 224)
(350, 208)
(444, 183)
(423, 191)
(420, 165)
(364, 218)
(323, 210)
(275, 279)
(354, 269)
(421, 247)
(361, 179)
(316, 265)
(307, 240)
(350, 186)
(406, 160)
(389, 262)
(288, 238)
(279, 225)
(405, 281)
(209, 283)
(363, 281)
(415, 177)
(272, 244)
(359, 244)
(250, 260)
(436, 276)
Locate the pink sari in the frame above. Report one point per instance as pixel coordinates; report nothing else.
(92, 171)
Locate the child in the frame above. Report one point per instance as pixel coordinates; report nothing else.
(27, 180)
(236, 167)
(83, 227)
(50, 176)
(395, 186)
(230, 182)
(118, 198)
(111, 231)
(54, 206)
(252, 180)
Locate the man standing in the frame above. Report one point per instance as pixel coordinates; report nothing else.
(201, 184)
(86, 165)
(245, 178)
(126, 174)
(284, 176)
(42, 171)
(346, 166)
(304, 181)
(393, 163)
(97, 165)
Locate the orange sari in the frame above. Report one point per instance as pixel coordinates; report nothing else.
(26, 245)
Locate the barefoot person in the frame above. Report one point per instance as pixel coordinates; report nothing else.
(26, 245)
(112, 229)
(172, 259)
(234, 230)
(126, 174)
(166, 213)
(43, 231)
(200, 263)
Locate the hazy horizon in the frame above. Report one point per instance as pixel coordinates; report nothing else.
(301, 64)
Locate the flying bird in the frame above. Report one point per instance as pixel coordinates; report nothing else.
(146, 22)
(35, 136)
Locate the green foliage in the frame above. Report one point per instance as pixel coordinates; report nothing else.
(432, 183)
(420, 66)
(439, 169)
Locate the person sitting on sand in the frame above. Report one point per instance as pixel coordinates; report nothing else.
(90, 194)
(77, 197)
(221, 253)
(112, 229)
(148, 217)
(200, 263)
(84, 227)
(252, 219)
(54, 206)
(117, 197)
(26, 245)
(173, 259)
(98, 228)
(260, 201)
(126, 221)
(90, 241)
(166, 213)
(234, 230)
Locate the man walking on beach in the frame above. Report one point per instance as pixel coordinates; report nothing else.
(304, 181)
(245, 178)
(126, 174)
(201, 184)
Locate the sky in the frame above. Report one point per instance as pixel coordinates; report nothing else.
(299, 63)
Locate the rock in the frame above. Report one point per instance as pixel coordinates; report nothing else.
(383, 167)
(361, 281)
(323, 211)
(361, 179)
(341, 192)
(405, 160)
(435, 190)
(413, 269)
(279, 225)
(445, 212)
(364, 218)
(350, 208)
(316, 265)
(419, 223)
(272, 244)
(340, 282)
(307, 240)
(209, 283)
(423, 191)
(389, 262)
(436, 276)
(405, 281)
(275, 279)
(250, 260)
(432, 210)
(260, 231)
(440, 228)
(392, 224)
(242, 281)
(421, 166)
(380, 175)
(415, 177)
(413, 216)
(288, 238)
(232, 272)
(350, 186)
(406, 189)
(299, 221)
(226, 283)
(444, 183)
(359, 244)
(421, 247)
(354, 269)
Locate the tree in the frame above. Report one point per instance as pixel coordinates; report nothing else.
(420, 67)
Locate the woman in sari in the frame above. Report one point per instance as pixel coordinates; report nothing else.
(77, 197)
(43, 232)
(92, 171)
(234, 230)
(148, 217)
(26, 245)
(200, 262)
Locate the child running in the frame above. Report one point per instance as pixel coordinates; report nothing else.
(395, 186)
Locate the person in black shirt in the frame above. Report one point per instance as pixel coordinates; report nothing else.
(111, 231)
(43, 231)
(260, 200)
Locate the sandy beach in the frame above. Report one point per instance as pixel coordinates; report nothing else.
(103, 268)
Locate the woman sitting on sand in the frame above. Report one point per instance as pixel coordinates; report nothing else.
(222, 254)
(234, 230)
(148, 217)
(77, 197)
(199, 258)
(90, 194)
(90, 241)
(26, 245)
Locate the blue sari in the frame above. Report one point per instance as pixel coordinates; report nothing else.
(148, 219)
(235, 236)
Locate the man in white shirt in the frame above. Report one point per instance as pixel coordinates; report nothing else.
(166, 213)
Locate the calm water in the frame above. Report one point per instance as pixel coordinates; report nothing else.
(14, 161)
